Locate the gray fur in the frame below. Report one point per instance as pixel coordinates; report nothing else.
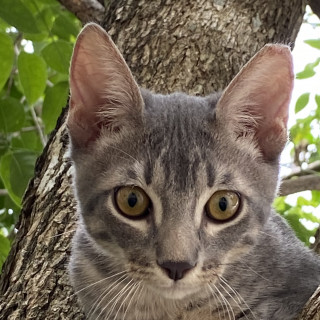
(179, 149)
(274, 275)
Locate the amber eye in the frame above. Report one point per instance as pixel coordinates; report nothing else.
(132, 201)
(223, 205)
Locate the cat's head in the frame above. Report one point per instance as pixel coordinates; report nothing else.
(174, 188)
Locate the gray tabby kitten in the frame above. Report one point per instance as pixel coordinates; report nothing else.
(175, 194)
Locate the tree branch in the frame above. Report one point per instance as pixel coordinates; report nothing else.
(298, 184)
(315, 6)
(85, 10)
(316, 245)
(312, 168)
(36, 122)
(311, 309)
(301, 180)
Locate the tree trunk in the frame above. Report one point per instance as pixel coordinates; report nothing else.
(191, 46)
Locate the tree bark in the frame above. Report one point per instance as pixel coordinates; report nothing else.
(298, 184)
(311, 309)
(85, 11)
(315, 6)
(191, 46)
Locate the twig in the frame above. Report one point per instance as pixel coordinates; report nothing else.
(311, 169)
(36, 122)
(17, 44)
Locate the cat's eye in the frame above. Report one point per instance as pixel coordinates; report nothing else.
(132, 201)
(223, 205)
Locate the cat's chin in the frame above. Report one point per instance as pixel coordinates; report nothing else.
(175, 292)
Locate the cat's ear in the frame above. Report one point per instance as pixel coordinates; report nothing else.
(104, 93)
(255, 104)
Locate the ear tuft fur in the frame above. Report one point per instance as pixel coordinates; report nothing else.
(256, 101)
(103, 90)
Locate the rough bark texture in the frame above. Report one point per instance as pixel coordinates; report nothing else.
(33, 282)
(311, 310)
(197, 46)
(86, 11)
(192, 46)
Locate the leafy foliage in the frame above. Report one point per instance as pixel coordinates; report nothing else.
(305, 135)
(36, 40)
(308, 71)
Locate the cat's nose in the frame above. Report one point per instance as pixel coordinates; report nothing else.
(176, 270)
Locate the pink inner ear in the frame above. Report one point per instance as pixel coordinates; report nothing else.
(258, 99)
(103, 90)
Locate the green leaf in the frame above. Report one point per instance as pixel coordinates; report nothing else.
(44, 19)
(4, 144)
(311, 217)
(302, 101)
(301, 231)
(301, 201)
(55, 99)
(33, 75)
(308, 71)
(315, 43)
(280, 205)
(12, 115)
(315, 196)
(15, 13)
(4, 249)
(6, 58)
(49, 2)
(58, 77)
(27, 140)
(57, 55)
(317, 98)
(16, 168)
(64, 28)
(302, 130)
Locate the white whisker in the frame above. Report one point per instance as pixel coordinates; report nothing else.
(101, 280)
(139, 296)
(227, 304)
(105, 293)
(131, 288)
(125, 153)
(216, 300)
(115, 300)
(267, 234)
(238, 295)
(258, 274)
(136, 289)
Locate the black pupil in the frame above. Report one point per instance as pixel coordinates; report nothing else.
(223, 204)
(132, 199)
